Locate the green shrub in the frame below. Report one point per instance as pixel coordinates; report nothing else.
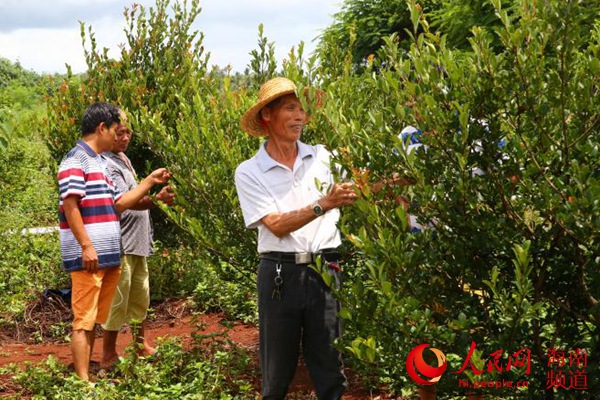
(180, 272)
(28, 199)
(174, 271)
(28, 265)
(512, 261)
(28, 189)
(237, 302)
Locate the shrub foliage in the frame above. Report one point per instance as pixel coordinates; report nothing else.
(507, 182)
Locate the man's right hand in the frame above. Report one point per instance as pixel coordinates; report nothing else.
(160, 176)
(341, 194)
(89, 258)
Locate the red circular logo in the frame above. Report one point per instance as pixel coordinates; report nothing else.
(415, 362)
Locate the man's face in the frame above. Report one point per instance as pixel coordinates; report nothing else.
(286, 119)
(108, 135)
(123, 137)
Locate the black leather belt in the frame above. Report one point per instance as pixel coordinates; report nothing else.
(329, 255)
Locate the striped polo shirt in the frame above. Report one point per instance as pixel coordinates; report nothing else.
(81, 173)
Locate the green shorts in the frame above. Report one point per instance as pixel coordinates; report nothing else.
(132, 297)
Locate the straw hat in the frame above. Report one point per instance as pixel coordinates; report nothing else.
(277, 87)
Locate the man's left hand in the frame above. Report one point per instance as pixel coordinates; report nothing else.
(166, 196)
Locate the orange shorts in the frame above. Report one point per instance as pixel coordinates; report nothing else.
(92, 295)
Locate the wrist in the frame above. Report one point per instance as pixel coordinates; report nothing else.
(147, 183)
(325, 204)
(317, 208)
(148, 202)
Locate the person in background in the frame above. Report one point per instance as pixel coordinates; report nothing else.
(411, 138)
(132, 297)
(90, 234)
(411, 141)
(287, 192)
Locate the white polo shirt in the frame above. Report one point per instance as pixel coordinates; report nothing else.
(265, 186)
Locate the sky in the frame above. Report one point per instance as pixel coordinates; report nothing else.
(44, 35)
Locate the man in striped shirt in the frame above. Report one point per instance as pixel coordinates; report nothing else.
(89, 226)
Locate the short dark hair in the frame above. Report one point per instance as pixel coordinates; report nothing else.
(98, 113)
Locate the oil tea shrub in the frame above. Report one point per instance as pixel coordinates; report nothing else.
(506, 184)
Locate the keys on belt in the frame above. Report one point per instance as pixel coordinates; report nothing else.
(329, 258)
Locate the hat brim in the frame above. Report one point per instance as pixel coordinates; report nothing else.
(251, 121)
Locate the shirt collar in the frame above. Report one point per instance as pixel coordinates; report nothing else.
(265, 162)
(112, 156)
(87, 148)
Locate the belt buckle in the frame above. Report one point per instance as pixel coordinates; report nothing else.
(303, 258)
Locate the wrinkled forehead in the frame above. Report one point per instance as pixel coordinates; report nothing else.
(283, 100)
(123, 128)
(289, 98)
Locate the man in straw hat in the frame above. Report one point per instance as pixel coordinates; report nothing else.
(287, 192)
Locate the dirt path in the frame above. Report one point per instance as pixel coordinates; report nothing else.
(242, 334)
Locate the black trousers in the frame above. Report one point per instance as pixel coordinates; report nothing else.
(305, 315)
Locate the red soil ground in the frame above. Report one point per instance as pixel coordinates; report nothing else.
(176, 325)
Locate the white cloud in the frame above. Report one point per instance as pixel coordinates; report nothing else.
(43, 50)
(24, 14)
(44, 36)
(231, 32)
(48, 50)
